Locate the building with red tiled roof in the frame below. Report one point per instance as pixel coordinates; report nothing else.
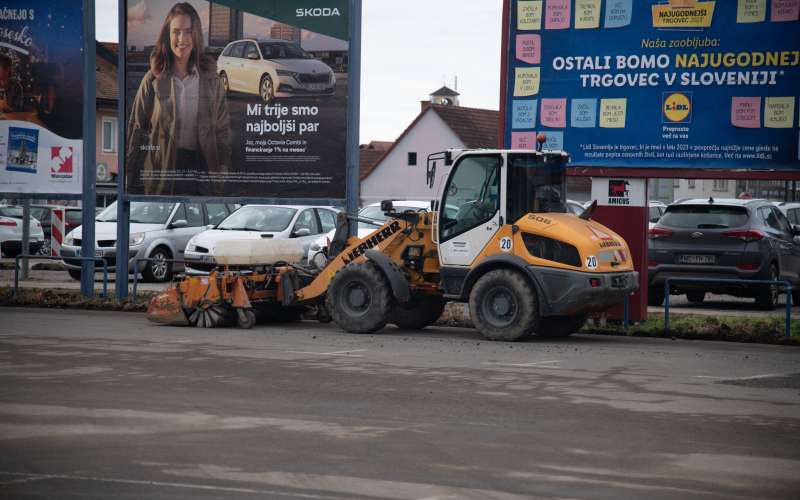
(399, 173)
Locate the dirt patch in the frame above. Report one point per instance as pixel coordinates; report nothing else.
(67, 299)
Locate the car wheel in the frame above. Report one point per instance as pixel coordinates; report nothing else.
(696, 296)
(767, 297)
(225, 83)
(74, 274)
(159, 269)
(655, 296)
(503, 306)
(45, 248)
(266, 89)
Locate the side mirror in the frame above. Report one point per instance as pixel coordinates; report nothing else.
(303, 231)
(211, 226)
(177, 224)
(387, 206)
(796, 229)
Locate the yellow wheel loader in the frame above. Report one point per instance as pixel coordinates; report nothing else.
(498, 236)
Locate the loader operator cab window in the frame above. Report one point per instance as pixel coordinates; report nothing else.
(474, 189)
(536, 184)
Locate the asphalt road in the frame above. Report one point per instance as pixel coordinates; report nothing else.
(101, 405)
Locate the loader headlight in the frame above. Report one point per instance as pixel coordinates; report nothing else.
(552, 250)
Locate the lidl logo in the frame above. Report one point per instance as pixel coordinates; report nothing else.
(682, 14)
(676, 107)
(61, 162)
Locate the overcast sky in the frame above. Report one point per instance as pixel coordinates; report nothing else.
(409, 49)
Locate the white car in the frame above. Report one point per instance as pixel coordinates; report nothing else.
(655, 210)
(273, 68)
(256, 222)
(11, 232)
(372, 212)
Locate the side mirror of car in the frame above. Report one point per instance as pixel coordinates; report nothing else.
(303, 231)
(211, 226)
(177, 224)
(796, 229)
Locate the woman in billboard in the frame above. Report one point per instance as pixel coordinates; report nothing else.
(178, 132)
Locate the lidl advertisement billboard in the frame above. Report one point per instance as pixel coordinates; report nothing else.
(41, 96)
(656, 84)
(236, 98)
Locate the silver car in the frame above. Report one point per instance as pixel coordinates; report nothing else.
(158, 231)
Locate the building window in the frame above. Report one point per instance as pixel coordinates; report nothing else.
(720, 184)
(412, 159)
(109, 135)
(691, 183)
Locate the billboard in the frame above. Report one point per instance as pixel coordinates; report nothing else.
(41, 96)
(656, 83)
(236, 98)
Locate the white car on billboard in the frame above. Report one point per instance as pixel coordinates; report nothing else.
(273, 68)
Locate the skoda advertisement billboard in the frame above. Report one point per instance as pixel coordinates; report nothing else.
(236, 98)
(667, 83)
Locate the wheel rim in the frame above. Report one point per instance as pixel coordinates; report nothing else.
(356, 299)
(773, 289)
(159, 265)
(500, 307)
(266, 89)
(225, 83)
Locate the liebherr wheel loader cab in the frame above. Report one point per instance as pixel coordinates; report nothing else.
(508, 246)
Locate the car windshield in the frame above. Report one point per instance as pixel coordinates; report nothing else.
(11, 212)
(258, 218)
(375, 213)
(74, 216)
(283, 51)
(142, 212)
(704, 216)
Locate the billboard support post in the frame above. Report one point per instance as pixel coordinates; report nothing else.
(89, 162)
(123, 205)
(26, 235)
(353, 111)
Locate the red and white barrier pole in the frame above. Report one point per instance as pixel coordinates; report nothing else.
(57, 229)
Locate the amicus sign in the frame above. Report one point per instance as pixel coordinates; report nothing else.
(619, 192)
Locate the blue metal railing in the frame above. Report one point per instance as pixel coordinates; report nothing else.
(785, 284)
(93, 259)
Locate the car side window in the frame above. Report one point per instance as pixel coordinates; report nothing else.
(327, 219)
(792, 214)
(307, 220)
(782, 221)
(216, 212)
(228, 50)
(237, 50)
(250, 50)
(194, 214)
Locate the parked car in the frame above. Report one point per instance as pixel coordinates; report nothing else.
(251, 222)
(723, 239)
(273, 68)
(44, 213)
(372, 213)
(159, 231)
(655, 210)
(791, 210)
(11, 232)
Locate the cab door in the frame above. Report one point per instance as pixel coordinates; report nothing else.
(470, 212)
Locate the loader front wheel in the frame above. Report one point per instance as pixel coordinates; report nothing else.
(359, 298)
(503, 306)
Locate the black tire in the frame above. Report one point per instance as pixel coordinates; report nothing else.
(557, 327)
(359, 298)
(74, 274)
(503, 306)
(696, 296)
(266, 89)
(767, 296)
(422, 311)
(655, 296)
(245, 318)
(158, 271)
(226, 86)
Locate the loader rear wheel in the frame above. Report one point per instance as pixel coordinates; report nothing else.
(557, 327)
(359, 298)
(422, 311)
(503, 306)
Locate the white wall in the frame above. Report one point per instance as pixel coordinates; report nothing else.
(394, 178)
(703, 188)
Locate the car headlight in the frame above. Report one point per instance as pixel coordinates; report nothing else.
(136, 238)
(315, 247)
(283, 72)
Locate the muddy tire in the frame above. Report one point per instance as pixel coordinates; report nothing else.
(558, 327)
(422, 311)
(359, 298)
(655, 296)
(767, 297)
(503, 306)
